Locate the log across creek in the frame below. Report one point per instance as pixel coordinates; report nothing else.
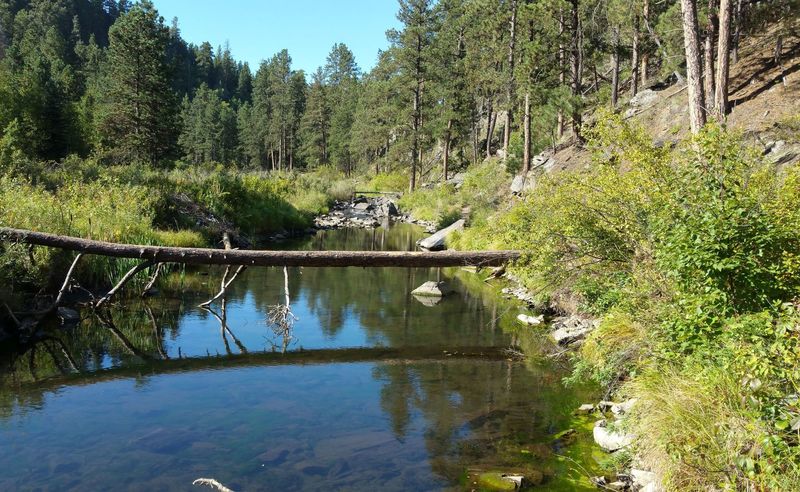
(206, 256)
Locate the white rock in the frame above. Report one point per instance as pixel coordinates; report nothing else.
(623, 408)
(586, 408)
(518, 184)
(530, 320)
(438, 239)
(572, 328)
(618, 485)
(432, 289)
(610, 440)
(642, 478)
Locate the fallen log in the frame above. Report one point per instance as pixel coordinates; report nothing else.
(205, 256)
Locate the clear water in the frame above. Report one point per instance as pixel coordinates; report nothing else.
(377, 390)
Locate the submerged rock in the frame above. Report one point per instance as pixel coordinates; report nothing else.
(608, 439)
(432, 289)
(499, 481)
(437, 241)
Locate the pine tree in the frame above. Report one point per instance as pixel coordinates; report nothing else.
(138, 114)
(413, 45)
(315, 123)
(341, 77)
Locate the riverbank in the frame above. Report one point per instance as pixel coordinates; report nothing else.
(684, 255)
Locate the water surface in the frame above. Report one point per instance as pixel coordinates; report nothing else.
(377, 390)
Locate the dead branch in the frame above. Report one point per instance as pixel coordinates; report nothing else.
(152, 281)
(67, 279)
(210, 482)
(224, 287)
(125, 279)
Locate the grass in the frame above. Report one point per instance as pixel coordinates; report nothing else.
(133, 204)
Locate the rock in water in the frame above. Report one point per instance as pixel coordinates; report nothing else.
(586, 408)
(432, 289)
(530, 320)
(438, 240)
(610, 440)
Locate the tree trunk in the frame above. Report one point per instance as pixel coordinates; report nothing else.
(709, 65)
(697, 113)
(615, 68)
(526, 146)
(635, 57)
(723, 58)
(562, 69)
(738, 32)
(490, 130)
(204, 256)
(446, 156)
(575, 51)
(510, 82)
(645, 55)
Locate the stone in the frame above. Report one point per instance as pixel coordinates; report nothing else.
(650, 487)
(571, 329)
(586, 408)
(618, 485)
(599, 481)
(605, 406)
(518, 184)
(530, 320)
(362, 206)
(642, 478)
(610, 440)
(644, 98)
(456, 180)
(623, 408)
(68, 316)
(432, 289)
(437, 241)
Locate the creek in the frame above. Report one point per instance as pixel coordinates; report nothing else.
(376, 390)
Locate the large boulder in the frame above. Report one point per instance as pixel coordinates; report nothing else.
(608, 439)
(438, 240)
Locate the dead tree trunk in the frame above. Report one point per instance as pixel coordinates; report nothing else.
(635, 57)
(723, 58)
(205, 256)
(446, 156)
(615, 68)
(526, 146)
(645, 63)
(697, 113)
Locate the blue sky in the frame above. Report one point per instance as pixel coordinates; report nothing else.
(257, 29)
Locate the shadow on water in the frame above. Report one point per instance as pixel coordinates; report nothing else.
(375, 391)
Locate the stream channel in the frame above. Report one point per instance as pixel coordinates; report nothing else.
(377, 390)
